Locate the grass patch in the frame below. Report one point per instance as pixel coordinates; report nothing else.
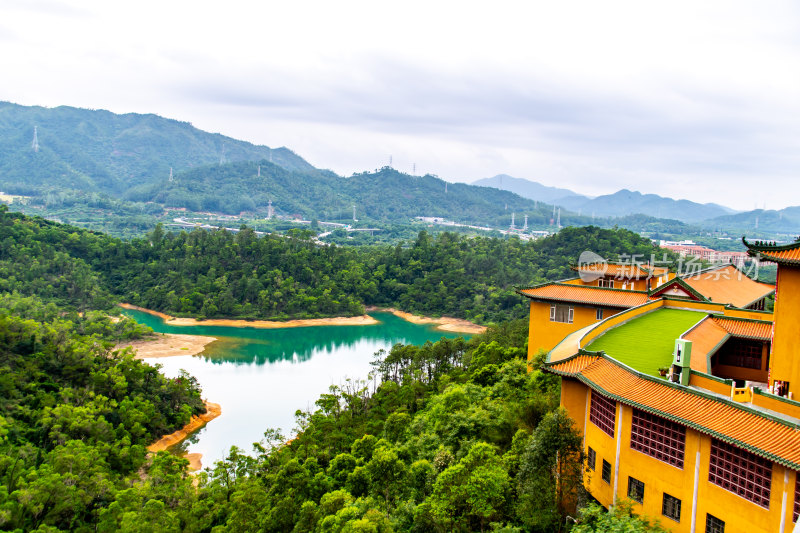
(646, 343)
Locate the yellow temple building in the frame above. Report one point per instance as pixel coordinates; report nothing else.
(714, 444)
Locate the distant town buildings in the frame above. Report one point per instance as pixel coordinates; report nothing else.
(691, 248)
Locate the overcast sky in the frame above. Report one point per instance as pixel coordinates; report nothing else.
(688, 99)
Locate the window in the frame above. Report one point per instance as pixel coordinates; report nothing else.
(599, 314)
(602, 411)
(796, 497)
(714, 524)
(561, 313)
(658, 437)
(607, 283)
(742, 353)
(740, 472)
(591, 459)
(635, 489)
(606, 474)
(671, 507)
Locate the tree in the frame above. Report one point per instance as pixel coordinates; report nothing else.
(550, 479)
(594, 519)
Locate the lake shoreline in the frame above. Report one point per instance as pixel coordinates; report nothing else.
(445, 323)
(213, 410)
(167, 345)
(362, 320)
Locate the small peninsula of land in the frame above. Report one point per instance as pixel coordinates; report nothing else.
(213, 410)
(167, 345)
(445, 323)
(362, 320)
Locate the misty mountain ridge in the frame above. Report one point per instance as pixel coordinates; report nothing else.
(132, 156)
(526, 188)
(619, 204)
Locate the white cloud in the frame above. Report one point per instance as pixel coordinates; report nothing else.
(686, 99)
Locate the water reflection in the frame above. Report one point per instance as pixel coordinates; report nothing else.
(262, 376)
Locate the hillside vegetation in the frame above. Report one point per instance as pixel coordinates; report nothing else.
(220, 274)
(458, 436)
(100, 151)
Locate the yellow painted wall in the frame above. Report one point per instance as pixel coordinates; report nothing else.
(544, 334)
(737, 372)
(784, 361)
(606, 448)
(658, 477)
(699, 380)
(740, 515)
(769, 401)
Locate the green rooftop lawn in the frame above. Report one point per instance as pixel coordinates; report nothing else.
(646, 343)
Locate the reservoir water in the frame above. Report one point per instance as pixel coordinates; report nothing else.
(261, 377)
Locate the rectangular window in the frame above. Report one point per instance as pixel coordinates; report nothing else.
(742, 353)
(796, 497)
(635, 489)
(658, 437)
(714, 524)
(602, 411)
(606, 474)
(561, 313)
(671, 507)
(591, 458)
(599, 314)
(607, 283)
(740, 472)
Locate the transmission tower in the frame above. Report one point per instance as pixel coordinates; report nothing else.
(170, 174)
(259, 171)
(35, 144)
(525, 227)
(354, 213)
(222, 155)
(512, 221)
(270, 210)
(445, 187)
(558, 221)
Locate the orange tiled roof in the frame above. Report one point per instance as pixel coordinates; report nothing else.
(706, 337)
(729, 285)
(566, 292)
(786, 254)
(624, 270)
(769, 437)
(746, 328)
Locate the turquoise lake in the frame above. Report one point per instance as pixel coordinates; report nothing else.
(261, 377)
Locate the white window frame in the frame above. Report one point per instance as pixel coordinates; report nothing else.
(570, 314)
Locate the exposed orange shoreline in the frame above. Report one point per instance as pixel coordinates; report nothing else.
(363, 320)
(445, 323)
(167, 345)
(213, 410)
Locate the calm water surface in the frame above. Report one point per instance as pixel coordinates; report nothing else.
(262, 376)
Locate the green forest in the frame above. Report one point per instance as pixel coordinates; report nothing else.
(208, 274)
(459, 435)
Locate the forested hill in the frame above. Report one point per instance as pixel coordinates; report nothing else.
(100, 151)
(385, 195)
(219, 274)
(459, 435)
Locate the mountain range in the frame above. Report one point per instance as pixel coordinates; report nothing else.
(106, 152)
(619, 204)
(148, 158)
